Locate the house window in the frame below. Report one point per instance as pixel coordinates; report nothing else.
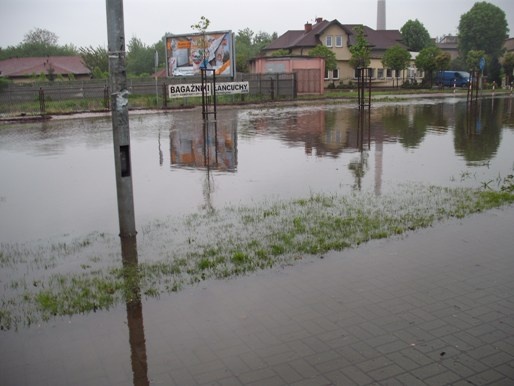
(328, 41)
(339, 41)
(326, 74)
(380, 73)
(389, 73)
(371, 72)
(335, 73)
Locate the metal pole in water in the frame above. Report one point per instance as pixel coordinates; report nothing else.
(123, 169)
(120, 121)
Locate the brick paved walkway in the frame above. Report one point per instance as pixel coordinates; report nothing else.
(433, 308)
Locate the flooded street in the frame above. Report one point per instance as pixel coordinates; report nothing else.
(361, 310)
(58, 176)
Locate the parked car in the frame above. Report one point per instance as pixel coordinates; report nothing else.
(451, 78)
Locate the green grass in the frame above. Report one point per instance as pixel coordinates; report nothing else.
(221, 244)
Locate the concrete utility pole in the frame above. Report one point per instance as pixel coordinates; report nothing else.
(120, 122)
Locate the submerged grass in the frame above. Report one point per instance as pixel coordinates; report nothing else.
(226, 243)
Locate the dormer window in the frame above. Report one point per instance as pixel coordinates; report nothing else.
(339, 41)
(328, 41)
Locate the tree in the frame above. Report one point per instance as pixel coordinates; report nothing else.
(280, 52)
(261, 40)
(426, 61)
(41, 37)
(458, 64)
(484, 27)
(442, 61)
(396, 58)
(360, 50)
(202, 25)
(508, 66)
(415, 35)
(248, 46)
(140, 58)
(96, 60)
(244, 39)
(324, 52)
(160, 46)
(201, 28)
(473, 59)
(38, 42)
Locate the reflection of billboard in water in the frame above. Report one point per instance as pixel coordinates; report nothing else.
(213, 146)
(185, 53)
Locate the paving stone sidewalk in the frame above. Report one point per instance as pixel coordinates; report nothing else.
(434, 307)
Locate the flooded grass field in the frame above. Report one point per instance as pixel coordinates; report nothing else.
(60, 175)
(262, 187)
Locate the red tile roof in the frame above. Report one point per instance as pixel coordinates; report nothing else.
(23, 67)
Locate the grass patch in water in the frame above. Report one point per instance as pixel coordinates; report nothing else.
(235, 241)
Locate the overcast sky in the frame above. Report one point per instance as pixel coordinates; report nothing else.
(83, 22)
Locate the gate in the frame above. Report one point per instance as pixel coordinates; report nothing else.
(308, 81)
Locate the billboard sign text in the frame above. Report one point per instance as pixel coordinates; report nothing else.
(195, 89)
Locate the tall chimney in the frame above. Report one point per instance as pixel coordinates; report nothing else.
(381, 15)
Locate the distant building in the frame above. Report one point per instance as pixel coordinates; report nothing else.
(339, 38)
(449, 44)
(509, 45)
(24, 69)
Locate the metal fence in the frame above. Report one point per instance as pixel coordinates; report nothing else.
(93, 95)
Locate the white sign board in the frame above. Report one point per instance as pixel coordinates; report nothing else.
(195, 89)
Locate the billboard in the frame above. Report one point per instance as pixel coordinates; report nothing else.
(186, 53)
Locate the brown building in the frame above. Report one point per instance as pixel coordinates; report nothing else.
(339, 38)
(24, 69)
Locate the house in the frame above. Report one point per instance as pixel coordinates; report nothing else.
(449, 44)
(509, 45)
(21, 70)
(339, 38)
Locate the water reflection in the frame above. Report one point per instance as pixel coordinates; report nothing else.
(134, 307)
(211, 145)
(359, 165)
(478, 130)
(252, 154)
(323, 132)
(408, 124)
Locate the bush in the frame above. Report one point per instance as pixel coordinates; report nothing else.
(4, 83)
(411, 84)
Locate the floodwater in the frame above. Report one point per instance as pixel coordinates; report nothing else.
(57, 181)
(57, 177)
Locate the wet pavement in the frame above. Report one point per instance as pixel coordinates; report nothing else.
(433, 307)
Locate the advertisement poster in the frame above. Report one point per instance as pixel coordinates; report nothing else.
(186, 53)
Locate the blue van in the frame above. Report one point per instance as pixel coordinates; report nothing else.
(449, 78)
